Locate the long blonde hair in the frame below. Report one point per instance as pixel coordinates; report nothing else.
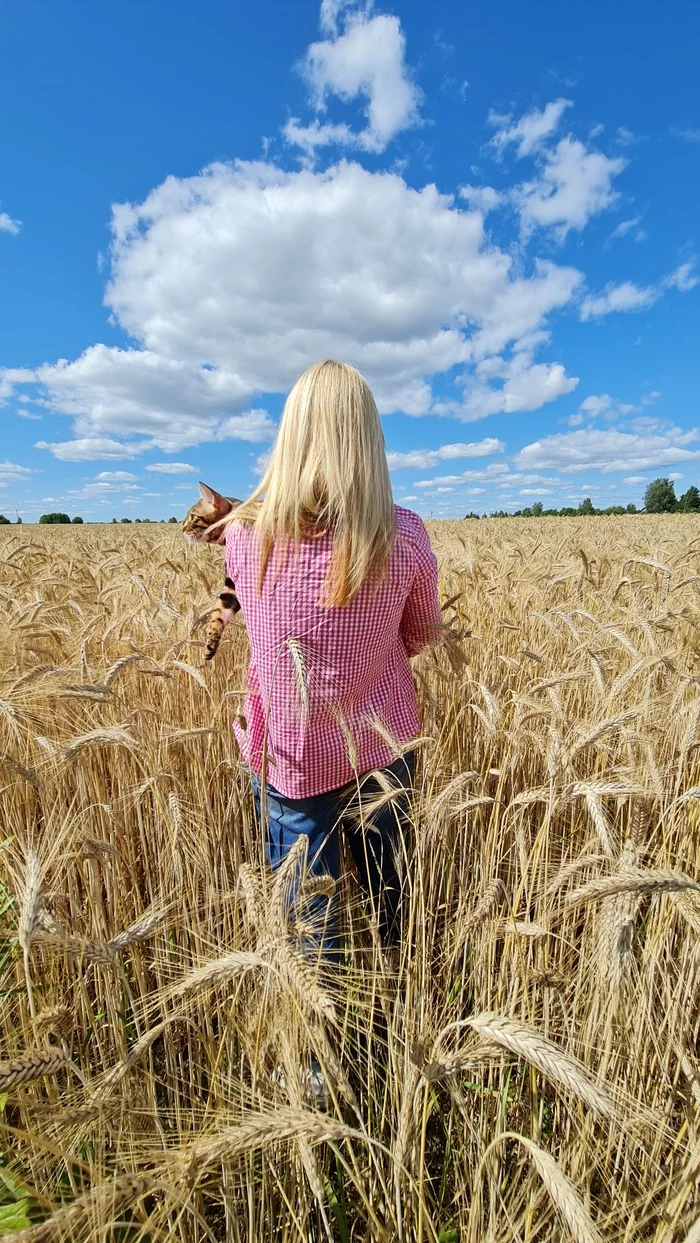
(328, 472)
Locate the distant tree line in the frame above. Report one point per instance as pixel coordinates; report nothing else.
(659, 498)
(66, 518)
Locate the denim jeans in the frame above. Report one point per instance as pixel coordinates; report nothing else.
(377, 837)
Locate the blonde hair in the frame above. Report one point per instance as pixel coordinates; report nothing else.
(328, 472)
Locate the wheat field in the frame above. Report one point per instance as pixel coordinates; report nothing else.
(527, 1069)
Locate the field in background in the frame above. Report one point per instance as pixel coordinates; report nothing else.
(529, 1070)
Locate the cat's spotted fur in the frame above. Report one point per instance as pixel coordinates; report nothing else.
(198, 527)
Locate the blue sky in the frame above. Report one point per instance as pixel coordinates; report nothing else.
(490, 209)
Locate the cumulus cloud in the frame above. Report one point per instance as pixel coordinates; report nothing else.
(233, 281)
(509, 385)
(609, 451)
(366, 61)
(10, 472)
(423, 459)
(481, 198)
(92, 448)
(573, 184)
(101, 488)
(115, 476)
(626, 296)
(529, 132)
(172, 468)
(8, 225)
(10, 377)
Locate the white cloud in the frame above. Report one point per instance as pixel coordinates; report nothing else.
(115, 476)
(609, 451)
(482, 198)
(635, 479)
(367, 61)
(274, 270)
(10, 472)
(627, 296)
(624, 296)
(627, 226)
(688, 135)
(8, 225)
(510, 386)
(91, 449)
(683, 278)
(172, 468)
(9, 378)
(423, 459)
(650, 399)
(530, 131)
(100, 488)
(574, 183)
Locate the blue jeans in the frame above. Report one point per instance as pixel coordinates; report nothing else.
(378, 843)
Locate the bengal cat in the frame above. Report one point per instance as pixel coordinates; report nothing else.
(198, 528)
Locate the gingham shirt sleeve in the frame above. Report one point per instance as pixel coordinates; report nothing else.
(422, 616)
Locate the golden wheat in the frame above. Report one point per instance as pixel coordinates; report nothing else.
(545, 997)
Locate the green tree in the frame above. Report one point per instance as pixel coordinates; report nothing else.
(631, 508)
(537, 509)
(19, 521)
(126, 519)
(660, 497)
(689, 502)
(172, 519)
(586, 506)
(4, 522)
(54, 518)
(77, 519)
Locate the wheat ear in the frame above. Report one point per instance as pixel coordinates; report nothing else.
(30, 1066)
(547, 1057)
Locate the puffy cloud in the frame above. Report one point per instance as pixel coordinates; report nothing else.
(609, 451)
(116, 476)
(235, 280)
(172, 468)
(10, 472)
(8, 225)
(100, 488)
(92, 448)
(624, 296)
(627, 296)
(10, 377)
(530, 131)
(366, 61)
(481, 198)
(423, 459)
(510, 386)
(574, 183)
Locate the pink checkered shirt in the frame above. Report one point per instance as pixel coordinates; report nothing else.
(331, 681)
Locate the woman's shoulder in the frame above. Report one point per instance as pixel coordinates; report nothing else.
(410, 525)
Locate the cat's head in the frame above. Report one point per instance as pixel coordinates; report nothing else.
(197, 525)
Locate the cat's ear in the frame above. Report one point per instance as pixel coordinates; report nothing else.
(215, 499)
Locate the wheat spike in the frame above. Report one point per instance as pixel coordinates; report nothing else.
(550, 1060)
(143, 928)
(218, 971)
(637, 881)
(563, 1194)
(104, 1202)
(30, 1066)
